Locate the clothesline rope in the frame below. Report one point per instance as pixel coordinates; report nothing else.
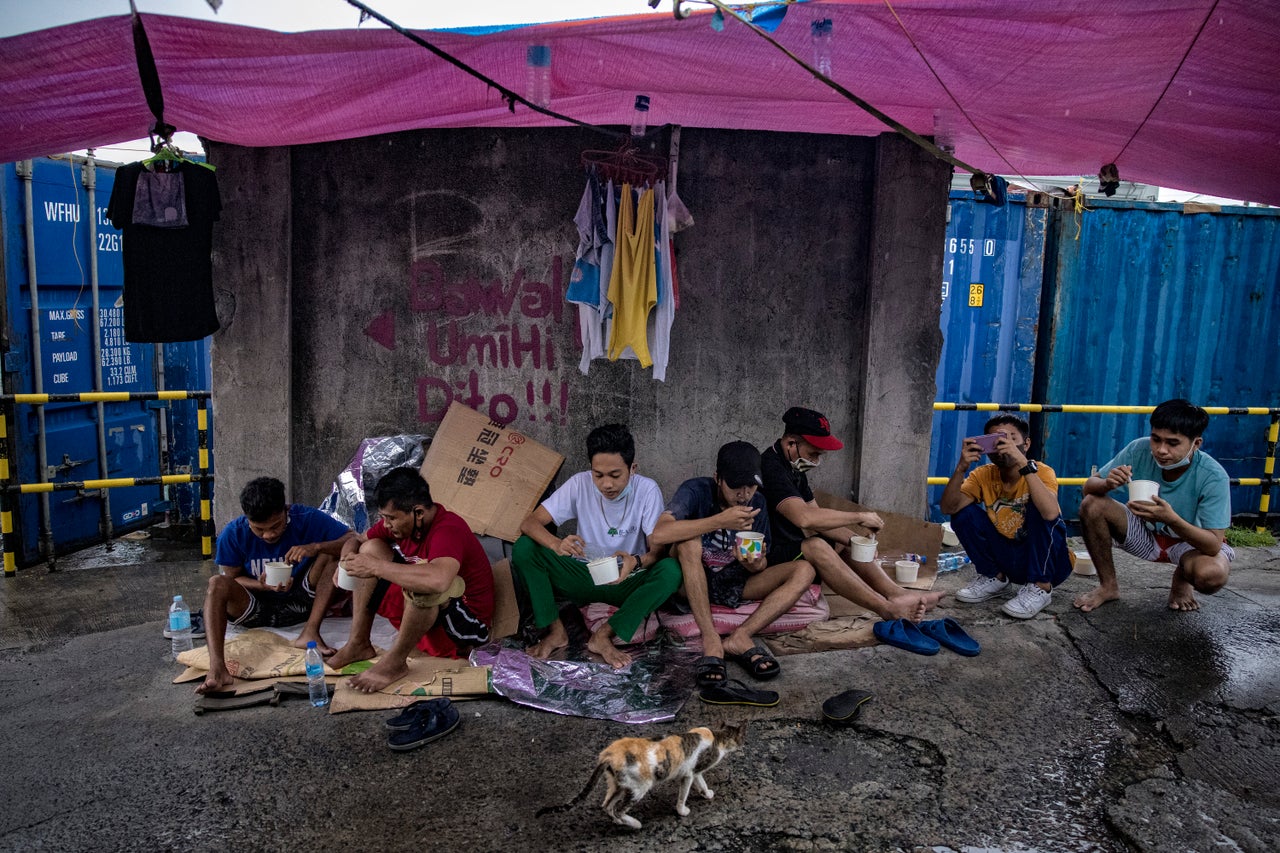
(866, 107)
(511, 97)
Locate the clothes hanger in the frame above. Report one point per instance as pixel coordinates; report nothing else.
(625, 165)
(165, 155)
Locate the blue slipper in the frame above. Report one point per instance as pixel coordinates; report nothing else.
(905, 635)
(949, 633)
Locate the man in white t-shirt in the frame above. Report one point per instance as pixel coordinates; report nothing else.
(616, 510)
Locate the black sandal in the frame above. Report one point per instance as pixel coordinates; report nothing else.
(843, 708)
(734, 692)
(710, 671)
(758, 662)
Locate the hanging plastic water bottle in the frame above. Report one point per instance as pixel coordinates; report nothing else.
(640, 116)
(538, 63)
(317, 690)
(820, 31)
(179, 626)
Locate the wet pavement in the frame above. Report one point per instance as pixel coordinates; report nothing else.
(1130, 728)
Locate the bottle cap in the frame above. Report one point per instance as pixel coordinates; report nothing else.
(177, 598)
(642, 103)
(311, 644)
(538, 55)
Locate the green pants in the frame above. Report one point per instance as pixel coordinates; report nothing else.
(546, 573)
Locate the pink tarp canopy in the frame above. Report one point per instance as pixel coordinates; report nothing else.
(1048, 88)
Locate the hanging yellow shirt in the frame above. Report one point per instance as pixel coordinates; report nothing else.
(633, 285)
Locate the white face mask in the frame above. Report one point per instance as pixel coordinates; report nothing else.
(1181, 463)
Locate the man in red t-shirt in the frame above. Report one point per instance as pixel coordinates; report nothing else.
(421, 567)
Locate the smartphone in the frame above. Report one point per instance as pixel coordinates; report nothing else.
(987, 442)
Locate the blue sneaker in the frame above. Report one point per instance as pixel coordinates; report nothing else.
(411, 712)
(430, 725)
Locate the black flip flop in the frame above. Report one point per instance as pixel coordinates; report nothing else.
(734, 692)
(758, 662)
(229, 700)
(843, 708)
(708, 666)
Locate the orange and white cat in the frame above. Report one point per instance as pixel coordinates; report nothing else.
(633, 765)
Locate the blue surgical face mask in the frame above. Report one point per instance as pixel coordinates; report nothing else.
(626, 491)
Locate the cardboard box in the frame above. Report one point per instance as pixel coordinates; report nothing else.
(506, 610)
(491, 475)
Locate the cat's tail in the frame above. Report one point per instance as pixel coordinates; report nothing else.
(582, 795)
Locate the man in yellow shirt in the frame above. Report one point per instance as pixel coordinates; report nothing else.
(1006, 515)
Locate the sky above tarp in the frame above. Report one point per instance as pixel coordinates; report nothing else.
(1179, 93)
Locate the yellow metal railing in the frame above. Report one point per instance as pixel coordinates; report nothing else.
(1267, 481)
(204, 478)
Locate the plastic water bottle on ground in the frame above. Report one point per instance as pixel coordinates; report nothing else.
(179, 626)
(317, 690)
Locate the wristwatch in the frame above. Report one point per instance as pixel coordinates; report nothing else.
(1028, 469)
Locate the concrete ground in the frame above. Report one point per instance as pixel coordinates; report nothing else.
(1131, 728)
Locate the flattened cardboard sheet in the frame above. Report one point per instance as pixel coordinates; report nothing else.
(491, 475)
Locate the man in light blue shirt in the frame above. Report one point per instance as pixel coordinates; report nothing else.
(1182, 525)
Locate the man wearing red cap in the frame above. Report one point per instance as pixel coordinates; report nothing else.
(802, 529)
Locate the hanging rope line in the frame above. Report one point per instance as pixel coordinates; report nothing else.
(512, 98)
(883, 118)
(1165, 90)
(936, 76)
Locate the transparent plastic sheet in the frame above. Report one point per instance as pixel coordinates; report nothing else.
(350, 500)
(650, 690)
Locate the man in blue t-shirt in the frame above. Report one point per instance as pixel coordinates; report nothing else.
(702, 521)
(1182, 525)
(270, 531)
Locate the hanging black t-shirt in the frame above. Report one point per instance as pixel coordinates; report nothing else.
(168, 272)
(781, 482)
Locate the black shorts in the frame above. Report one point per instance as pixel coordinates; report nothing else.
(725, 586)
(278, 610)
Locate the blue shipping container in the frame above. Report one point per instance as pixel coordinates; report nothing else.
(1142, 302)
(1153, 303)
(992, 271)
(61, 220)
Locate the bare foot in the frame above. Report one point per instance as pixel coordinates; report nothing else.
(1182, 595)
(929, 600)
(350, 653)
(911, 605)
(307, 636)
(217, 679)
(386, 671)
(557, 638)
(604, 647)
(1096, 598)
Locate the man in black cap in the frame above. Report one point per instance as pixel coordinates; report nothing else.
(702, 520)
(821, 536)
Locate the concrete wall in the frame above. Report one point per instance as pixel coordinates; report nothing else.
(428, 266)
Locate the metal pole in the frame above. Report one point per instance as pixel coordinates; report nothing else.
(163, 412)
(24, 170)
(6, 516)
(206, 515)
(1268, 471)
(89, 176)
